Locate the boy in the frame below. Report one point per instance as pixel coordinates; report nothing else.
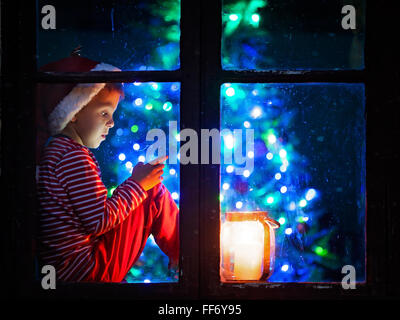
(82, 233)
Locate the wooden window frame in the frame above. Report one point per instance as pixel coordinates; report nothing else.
(200, 76)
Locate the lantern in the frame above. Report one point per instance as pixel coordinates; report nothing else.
(247, 246)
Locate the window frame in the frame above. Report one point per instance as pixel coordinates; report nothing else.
(187, 286)
(213, 76)
(200, 76)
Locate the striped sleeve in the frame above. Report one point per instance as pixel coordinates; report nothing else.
(80, 177)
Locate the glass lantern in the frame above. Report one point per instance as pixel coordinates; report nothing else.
(247, 246)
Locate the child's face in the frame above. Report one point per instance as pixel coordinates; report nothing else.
(93, 122)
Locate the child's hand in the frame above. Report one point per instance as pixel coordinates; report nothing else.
(150, 174)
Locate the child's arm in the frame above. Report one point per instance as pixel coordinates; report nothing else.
(80, 176)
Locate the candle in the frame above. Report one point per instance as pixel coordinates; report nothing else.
(243, 249)
(248, 261)
(247, 243)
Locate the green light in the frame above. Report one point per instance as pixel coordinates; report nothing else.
(232, 24)
(156, 95)
(255, 17)
(169, 55)
(167, 106)
(233, 17)
(111, 191)
(320, 251)
(271, 138)
(270, 200)
(173, 34)
(241, 94)
(135, 272)
(149, 106)
(134, 128)
(230, 92)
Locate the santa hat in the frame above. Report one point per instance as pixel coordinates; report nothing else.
(57, 103)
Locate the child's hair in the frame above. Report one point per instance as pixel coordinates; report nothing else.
(116, 86)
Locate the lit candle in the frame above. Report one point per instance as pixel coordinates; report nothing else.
(248, 261)
(247, 242)
(243, 242)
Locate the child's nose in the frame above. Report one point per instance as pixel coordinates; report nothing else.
(110, 123)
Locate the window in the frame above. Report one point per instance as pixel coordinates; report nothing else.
(279, 80)
(107, 32)
(291, 35)
(215, 76)
(109, 29)
(145, 106)
(307, 170)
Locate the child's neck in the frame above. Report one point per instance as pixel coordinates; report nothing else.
(70, 132)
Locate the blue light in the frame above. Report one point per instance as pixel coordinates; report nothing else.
(230, 168)
(122, 156)
(128, 165)
(302, 203)
(311, 193)
(175, 195)
(288, 231)
(285, 268)
(256, 112)
(138, 102)
(120, 132)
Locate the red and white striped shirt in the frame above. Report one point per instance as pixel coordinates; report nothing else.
(74, 207)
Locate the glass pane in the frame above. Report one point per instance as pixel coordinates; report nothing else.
(147, 115)
(132, 35)
(295, 35)
(305, 167)
(146, 106)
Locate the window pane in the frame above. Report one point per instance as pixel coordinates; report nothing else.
(146, 106)
(133, 35)
(145, 120)
(289, 34)
(306, 168)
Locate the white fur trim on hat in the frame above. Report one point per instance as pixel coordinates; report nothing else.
(74, 101)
